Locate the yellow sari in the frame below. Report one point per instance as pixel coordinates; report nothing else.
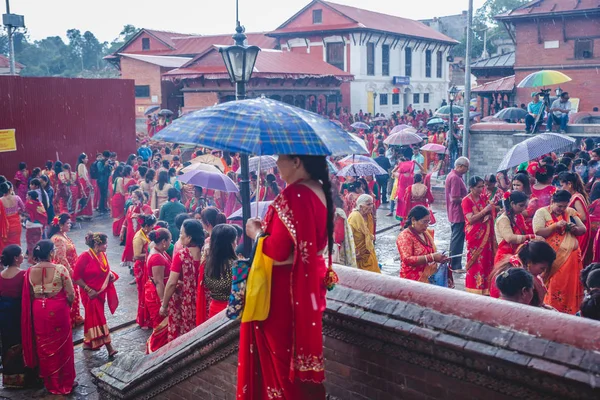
(366, 258)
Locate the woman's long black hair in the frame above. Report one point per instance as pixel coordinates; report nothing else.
(515, 197)
(221, 252)
(317, 169)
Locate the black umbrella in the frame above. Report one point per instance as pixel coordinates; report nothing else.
(512, 113)
(151, 109)
(165, 112)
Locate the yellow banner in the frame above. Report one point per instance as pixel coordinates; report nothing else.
(7, 140)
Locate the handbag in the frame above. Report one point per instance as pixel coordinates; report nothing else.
(239, 279)
(440, 277)
(258, 287)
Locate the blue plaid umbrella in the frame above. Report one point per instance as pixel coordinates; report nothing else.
(260, 126)
(534, 147)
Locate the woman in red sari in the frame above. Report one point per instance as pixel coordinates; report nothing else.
(555, 223)
(571, 182)
(480, 238)
(86, 189)
(418, 194)
(405, 171)
(117, 201)
(510, 228)
(179, 301)
(22, 181)
(66, 255)
(48, 342)
(141, 240)
(66, 183)
(272, 189)
(419, 257)
(217, 269)
(282, 356)
(157, 274)
(133, 222)
(13, 206)
(93, 274)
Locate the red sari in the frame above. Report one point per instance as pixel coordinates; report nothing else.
(133, 225)
(95, 272)
(66, 181)
(505, 249)
(594, 215)
(4, 225)
(159, 336)
(418, 196)
(481, 246)
(48, 343)
(585, 244)
(117, 208)
(86, 194)
(22, 184)
(36, 213)
(66, 254)
(411, 247)
(182, 306)
(282, 356)
(405, 179)
(141, 241)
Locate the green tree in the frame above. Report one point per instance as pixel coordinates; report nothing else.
(91, 51)
(126, 33)
(76, 46)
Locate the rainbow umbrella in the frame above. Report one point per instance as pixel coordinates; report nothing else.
(543, 78)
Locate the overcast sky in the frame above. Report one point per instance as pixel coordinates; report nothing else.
(105, 18)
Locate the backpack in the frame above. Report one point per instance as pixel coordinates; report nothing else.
(94, 173)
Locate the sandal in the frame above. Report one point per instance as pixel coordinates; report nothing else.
(113, 353)
(88, 348)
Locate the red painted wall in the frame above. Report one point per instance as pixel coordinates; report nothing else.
(531, 56)
(329, 18)
(136, 45)
(65, 116)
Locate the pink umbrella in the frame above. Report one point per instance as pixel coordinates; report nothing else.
(404, 138)
(434, 148)
(399, 128)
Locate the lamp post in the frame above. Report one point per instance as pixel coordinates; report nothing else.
(239, 60)
(452, 96)
(374, 105)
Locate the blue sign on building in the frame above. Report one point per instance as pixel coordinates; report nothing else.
(401, 80)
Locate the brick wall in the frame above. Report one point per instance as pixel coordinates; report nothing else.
(143, 74)
(196, 100)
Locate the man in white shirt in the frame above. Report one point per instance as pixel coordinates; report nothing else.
(559, 113)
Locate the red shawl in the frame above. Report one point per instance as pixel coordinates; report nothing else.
(36, 212)
(307, 282)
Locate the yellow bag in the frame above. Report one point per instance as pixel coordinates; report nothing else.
(258, 286)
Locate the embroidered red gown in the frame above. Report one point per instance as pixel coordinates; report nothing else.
(282, 357)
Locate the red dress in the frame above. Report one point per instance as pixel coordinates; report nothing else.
(182, 306)
(133, 225)
(86, 194)
(117, 204)
(585, 244)
(418, 196)
(66, 254)
(159, 336)
(95, 272)
(481, 241)
(282, 357)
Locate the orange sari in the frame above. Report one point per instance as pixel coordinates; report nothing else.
(565, 291)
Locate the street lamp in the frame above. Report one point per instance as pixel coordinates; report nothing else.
(374, 105)
(239, 60)
(452, 96)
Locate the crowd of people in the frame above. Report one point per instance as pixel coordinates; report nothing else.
(528, 236)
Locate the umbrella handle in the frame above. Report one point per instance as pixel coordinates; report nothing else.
(258, 186)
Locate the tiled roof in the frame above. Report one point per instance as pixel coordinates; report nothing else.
(162, 61)
(551, 7)
(269, 64)
(167, 37)
(365, 19)
(199, 44)
(5, 62)
(501, 61)
(506, 84)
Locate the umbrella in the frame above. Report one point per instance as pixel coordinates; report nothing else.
(361, 142)
(491, 119)
(543, 78)
(208, 159)
(260, 162)
(435, 121)
(399, 128)
(332, 168)
(262, 208)
(445, 111)
(511, 113)
(355, 158)
(379, 119)
(474, 114)
(260, 126)
(338, 123)
(201, 167)
(434, 148)
(362, 169)
(166, 112)
(534, 147)
(403, 138)
(360, 125)
(209, 180)
(151, 109)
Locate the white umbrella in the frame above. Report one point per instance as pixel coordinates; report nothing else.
(201, 167)
(262, 163)
(403, 138)
(534, 147)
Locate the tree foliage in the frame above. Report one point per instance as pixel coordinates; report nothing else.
(81, 56)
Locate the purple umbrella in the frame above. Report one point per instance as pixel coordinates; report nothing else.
(263, 206)
(209, 180)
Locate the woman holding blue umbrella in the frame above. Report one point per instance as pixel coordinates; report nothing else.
(282, 356)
